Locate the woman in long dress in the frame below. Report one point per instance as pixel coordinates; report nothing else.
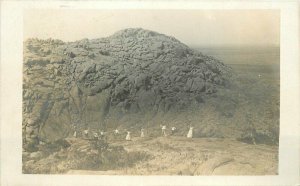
(190, 133)
(128, 137)
(142, 133)
(75, 134)
(163, 130)
(75, 131)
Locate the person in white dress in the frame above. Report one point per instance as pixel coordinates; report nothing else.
(128, 136)
(75, 132)
(163, 130)
(190, 133)
(142, 133)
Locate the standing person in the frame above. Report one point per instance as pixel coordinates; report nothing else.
(96, 136)
(163, 130)
(75, 131)
(102, 135)
(190, 133)
(86, 133)
(128, 137)
(173, 129)
(142, 133)
(252, 135)
(116, 132)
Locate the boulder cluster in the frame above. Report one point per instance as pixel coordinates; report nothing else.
(88, 81)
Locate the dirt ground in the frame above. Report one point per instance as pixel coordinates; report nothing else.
(199, 156)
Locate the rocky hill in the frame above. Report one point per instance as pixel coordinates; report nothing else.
(110, 82)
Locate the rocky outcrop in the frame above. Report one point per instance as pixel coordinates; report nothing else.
(90, 82)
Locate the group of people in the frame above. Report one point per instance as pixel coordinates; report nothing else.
(163, 132)
(101, 134)
(173, 130)
(86, 134)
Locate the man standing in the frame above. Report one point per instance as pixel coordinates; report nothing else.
(116, 132)
(96, 136)
(86, 133)
(173, 129)
(102, 135)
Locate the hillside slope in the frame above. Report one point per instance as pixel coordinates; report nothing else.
(122, 80)
(157, 156)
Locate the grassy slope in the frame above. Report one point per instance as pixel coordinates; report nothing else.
(199, 156)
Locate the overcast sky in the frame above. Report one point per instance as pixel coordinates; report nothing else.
(192, 27)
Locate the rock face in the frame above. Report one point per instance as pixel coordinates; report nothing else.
(92, 82)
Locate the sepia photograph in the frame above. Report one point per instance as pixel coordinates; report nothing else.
(137, 93)
(151, 92)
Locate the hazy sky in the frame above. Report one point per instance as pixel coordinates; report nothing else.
(193, 27)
